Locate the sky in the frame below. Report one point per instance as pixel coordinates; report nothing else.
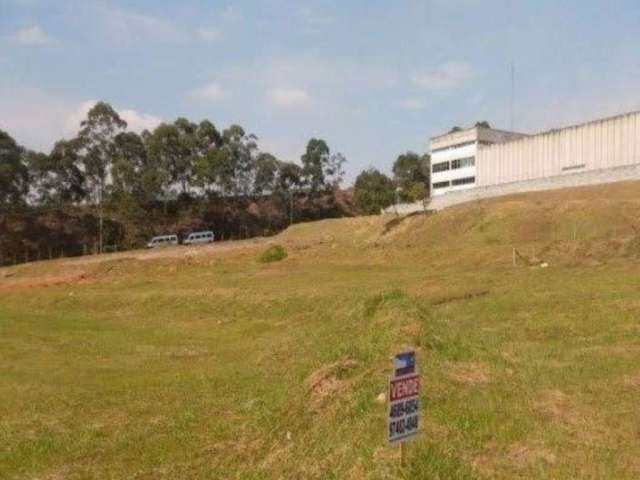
(373, 78)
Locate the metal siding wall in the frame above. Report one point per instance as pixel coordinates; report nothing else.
(636, 120)
(603, 144)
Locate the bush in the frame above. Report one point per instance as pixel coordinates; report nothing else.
(274, 253)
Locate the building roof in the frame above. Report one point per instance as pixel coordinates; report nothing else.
(473, 129)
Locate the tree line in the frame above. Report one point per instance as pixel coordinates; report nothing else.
(106, 166)
(111, 186)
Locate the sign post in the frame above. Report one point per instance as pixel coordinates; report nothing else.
(404, 389)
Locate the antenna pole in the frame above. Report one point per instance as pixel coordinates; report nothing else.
(513, 96)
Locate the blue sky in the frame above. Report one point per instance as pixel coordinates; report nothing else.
(372, 78)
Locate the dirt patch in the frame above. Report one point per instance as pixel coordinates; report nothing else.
(557, 405)
(67, 278)
(623, 349)
(523, 455)
(327, 381)
(468, 373)
(87, 269)
(632, 380)
(395, 222)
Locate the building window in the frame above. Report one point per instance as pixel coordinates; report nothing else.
(463, 181)
(441, 185)
(485, 142)
(440, 167)
(463, 162)
(573, 167)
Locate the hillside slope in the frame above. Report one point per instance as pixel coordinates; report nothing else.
(204, 363)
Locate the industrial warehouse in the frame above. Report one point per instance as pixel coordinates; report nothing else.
(481, 162)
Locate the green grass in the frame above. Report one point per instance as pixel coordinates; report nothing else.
(208, 367)
(274, 253)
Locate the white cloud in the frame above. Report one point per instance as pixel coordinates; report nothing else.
(31, 116)
(212, 91)
(447, 76)
(32, 36)
(136, 121)
(288, 98)
(413, 103)
(37, 119)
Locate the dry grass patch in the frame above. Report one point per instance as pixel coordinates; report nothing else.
(557, 405)
(467, 373)
(522, 455)
(632, 380)
(328, 381)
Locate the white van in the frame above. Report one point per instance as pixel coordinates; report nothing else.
(163, 241)
(199, 237)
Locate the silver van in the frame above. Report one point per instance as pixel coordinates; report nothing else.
(199, 237)
(163, 241)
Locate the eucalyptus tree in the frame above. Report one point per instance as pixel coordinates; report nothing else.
(97, 150)
(166, 154)
(238, 154)
(130, 167)
(58, 178)
(322, 171)
(289, 182)
(266, 172)
(14, 175)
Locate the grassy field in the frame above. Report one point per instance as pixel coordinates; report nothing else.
(211, 364)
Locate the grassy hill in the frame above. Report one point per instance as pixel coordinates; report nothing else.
(206, 363)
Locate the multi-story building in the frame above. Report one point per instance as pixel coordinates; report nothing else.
(481, 162)
(453, 156)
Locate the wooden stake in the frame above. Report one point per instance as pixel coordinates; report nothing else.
(403, 460)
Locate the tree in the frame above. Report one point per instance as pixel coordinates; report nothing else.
(97, 140)
(411, 175)
(289, 181)
(373, 191)
(14, 175)
(322, 171)
(206, 158)
(238, 159)
(166, 157)
(266, 173)
(129, 167)
(483, 124)
(58, 178)
(207, 138)
(455, 129)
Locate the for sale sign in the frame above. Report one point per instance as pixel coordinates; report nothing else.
(404, 389)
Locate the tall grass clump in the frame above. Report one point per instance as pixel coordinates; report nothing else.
(274, 253)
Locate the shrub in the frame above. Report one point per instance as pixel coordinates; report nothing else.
(274, 253)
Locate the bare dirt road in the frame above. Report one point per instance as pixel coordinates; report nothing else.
(78, 269)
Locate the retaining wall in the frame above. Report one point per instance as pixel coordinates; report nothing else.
(593, 177)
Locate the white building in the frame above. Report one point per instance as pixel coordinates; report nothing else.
(453, 157)
(480, 162)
